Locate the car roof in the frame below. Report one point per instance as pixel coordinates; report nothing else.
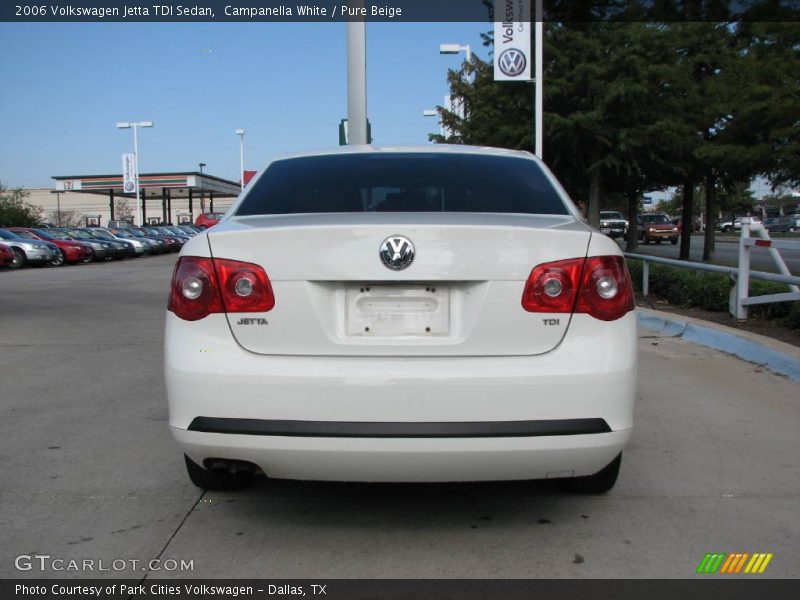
(429, 149)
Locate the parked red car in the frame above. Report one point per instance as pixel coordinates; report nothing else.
(6, 255)
(207, 220)
(678, 222)
(72, 251)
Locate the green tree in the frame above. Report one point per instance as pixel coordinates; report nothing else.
(768, 99)
(633, 106)
(742, 100)
(15, 210)
(604, 118)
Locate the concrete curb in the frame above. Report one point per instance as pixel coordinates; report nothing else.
(774, 355)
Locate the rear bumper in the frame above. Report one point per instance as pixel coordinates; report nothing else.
(411, 459)
(567, 412)
(661, 234)
(614, 231)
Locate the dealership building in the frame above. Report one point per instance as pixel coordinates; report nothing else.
(166, 198)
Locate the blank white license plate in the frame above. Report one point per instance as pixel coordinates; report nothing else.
(397, 310)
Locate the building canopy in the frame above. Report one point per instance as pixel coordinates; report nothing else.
(184, 188)
(152, 185)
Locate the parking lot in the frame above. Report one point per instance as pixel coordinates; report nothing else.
(90, 472)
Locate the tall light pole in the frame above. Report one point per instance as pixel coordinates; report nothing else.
(240, 133)
(135, 126)
(434, 113)
(357, 79)
(456, 104)
(202, 192)
(455, 49)
(538, 108)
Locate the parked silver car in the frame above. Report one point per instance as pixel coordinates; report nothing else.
(140, 245)
(33, 252)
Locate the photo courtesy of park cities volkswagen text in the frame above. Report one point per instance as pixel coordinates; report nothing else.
(388, 299)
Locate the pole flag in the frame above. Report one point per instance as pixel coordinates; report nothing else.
(129, 173)
(512, 40)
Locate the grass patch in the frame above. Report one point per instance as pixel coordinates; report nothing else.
(710, 291)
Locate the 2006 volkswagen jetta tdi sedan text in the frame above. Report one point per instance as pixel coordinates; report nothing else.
(402, 314)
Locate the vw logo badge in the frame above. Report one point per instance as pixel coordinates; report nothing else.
(129, 186)
(512, 62)
(397, 252)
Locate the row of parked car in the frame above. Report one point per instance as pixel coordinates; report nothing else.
(40, 246)
(651, 227)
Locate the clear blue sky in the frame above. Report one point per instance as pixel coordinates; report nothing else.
(66, 85)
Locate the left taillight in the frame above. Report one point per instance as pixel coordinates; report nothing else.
(203, 286)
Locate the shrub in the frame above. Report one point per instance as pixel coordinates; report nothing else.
(15, 210)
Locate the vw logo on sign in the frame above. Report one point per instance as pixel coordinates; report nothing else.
(129, 186)
(512, 62)
(397, 252)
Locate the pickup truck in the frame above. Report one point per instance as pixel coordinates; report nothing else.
(726, 226)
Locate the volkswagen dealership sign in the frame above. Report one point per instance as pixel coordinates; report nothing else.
(129, 173)
(512, 40)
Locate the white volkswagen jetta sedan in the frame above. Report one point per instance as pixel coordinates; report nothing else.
(402, 314)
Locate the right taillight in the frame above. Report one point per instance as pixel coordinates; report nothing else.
(606, 292)
(203, 286)
(599, 286)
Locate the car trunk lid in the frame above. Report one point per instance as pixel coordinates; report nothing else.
(461, 295)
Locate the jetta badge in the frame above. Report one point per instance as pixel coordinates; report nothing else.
(397, 252)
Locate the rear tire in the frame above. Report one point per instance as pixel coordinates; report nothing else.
(89, 258)
(211, 480)
(599, 483)
(58, 260)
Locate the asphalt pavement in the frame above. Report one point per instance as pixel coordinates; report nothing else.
(90, 472)
(726, 252)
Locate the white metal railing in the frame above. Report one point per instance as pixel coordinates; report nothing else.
(741, 275)
(746, 244)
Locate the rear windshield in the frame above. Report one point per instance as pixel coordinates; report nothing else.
(403, 183)
(657, 219)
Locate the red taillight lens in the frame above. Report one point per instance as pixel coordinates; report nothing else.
(599, 286)
(245, 287)
(194, 293)
(203, 286)
(552, 287)
(606, 291)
